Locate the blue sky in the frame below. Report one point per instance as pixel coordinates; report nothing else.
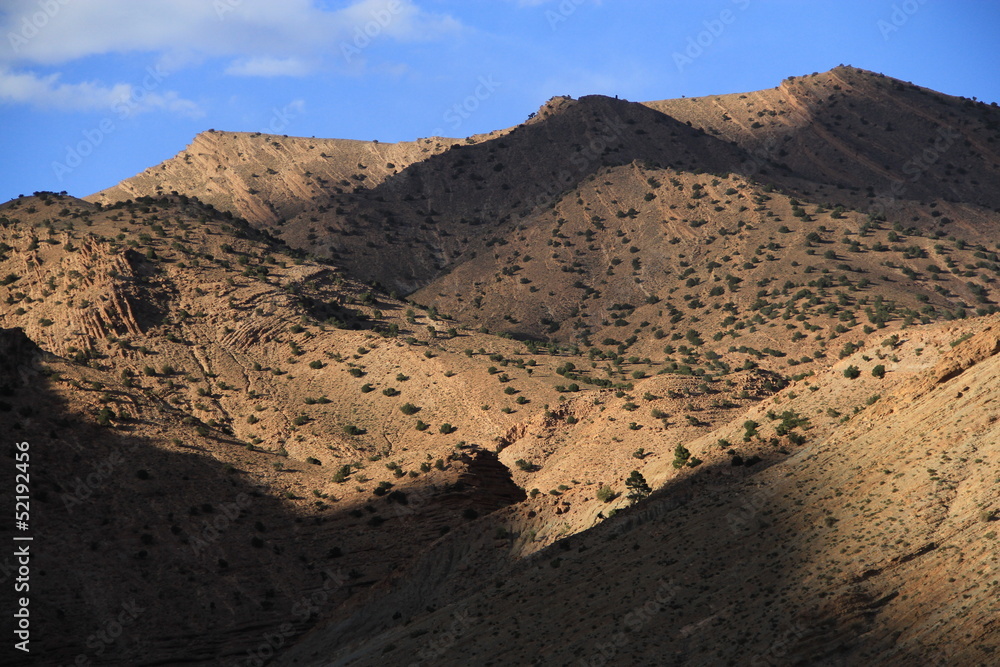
(94, 91)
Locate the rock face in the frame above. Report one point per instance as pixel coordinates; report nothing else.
(482, 476)
(16, 351)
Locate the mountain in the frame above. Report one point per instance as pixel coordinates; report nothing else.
(316, 401)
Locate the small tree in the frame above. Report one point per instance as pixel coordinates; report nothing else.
(681, 456)
(105, 416)
(879, 371)
(637, 487)
(852, 372)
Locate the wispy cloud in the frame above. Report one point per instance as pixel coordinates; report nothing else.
(242, 29)
(48, 92)
(267, 66)
(245, 38)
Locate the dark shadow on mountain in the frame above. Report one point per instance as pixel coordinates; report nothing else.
(689, 576)
(518, 174)
(147, 552)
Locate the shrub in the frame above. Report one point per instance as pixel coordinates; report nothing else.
(681, 456)
(605, 494)
(351, 429)
(879, 371)
(852, 372)
(447, 428)
(316, 364)
(409, 409)
(105, 416)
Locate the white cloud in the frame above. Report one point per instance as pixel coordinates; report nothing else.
(47, 92)
(240, 29)
(267, 66)
(260, 38)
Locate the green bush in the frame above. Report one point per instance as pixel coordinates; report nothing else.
(409, 409)
(681, 456)
(852, 372)
(105, 416)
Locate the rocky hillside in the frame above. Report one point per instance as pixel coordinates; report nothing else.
(699, 381)
(873, 542)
